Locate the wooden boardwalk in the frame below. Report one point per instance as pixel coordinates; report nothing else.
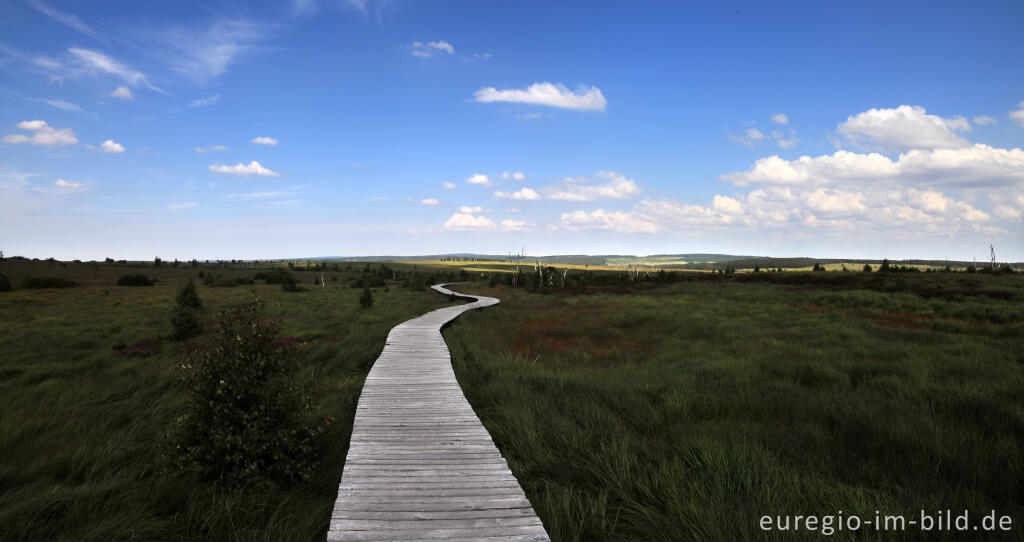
(420, 464)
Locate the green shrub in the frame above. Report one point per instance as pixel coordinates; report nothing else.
(134, 280)
(5, 285)
(185, 320)
(244, 416)
(232, 282)
(48, 282)
(289, 285)
(366, 299)
(278, 277)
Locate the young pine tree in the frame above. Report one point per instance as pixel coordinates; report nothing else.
(245, 416)
(185, 320)
(366, 299)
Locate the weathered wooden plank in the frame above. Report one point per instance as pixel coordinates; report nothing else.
(420, 464)
(436, 534)
(341, 524)
(524, 511)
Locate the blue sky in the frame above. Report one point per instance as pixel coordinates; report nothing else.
(313, 128)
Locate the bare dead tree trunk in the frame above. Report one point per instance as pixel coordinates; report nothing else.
(516, 259)
(565, 271)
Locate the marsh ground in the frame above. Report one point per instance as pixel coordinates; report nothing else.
(686, 411)
(674, 410)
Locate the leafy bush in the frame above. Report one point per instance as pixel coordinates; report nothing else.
(232, 282)
(278, 277)
(289, 285)
(5, 285)
(48, 282)
(134, 280)
(244, 416)
(366, 299)
(185, 321)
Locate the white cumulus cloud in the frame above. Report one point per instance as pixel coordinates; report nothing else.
(549, 94)
(983, 120)
(252, 168)
(513, 225)
(448, 186)
(429, 201)
(616, 186)
(780, 118)
(607, 220)
(111, 146)
(123, 93)
(471, 210)
(975, 166)
(40, 133)
(750, 137)
(517, 175)
(478, 178)
(1017, 115)
(264, 141)
(466, 221)
(68, 186)
(431, 48)
(903, 128)
(526, 194)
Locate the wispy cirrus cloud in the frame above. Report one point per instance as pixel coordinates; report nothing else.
(367, 8)
(219, 148)
(203, 51)
(67, 19)
(95, 62)
(548, 94)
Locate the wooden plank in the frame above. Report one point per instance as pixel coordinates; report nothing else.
(420, 464)
(479, 533)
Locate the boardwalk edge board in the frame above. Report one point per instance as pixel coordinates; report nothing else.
(420, 464)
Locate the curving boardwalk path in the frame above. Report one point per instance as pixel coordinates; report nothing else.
(420, 464)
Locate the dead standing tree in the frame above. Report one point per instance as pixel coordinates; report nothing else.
(517, 258)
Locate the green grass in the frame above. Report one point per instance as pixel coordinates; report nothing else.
(81, 429)
(688, 411)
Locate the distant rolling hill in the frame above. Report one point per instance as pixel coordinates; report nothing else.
(698, 261)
